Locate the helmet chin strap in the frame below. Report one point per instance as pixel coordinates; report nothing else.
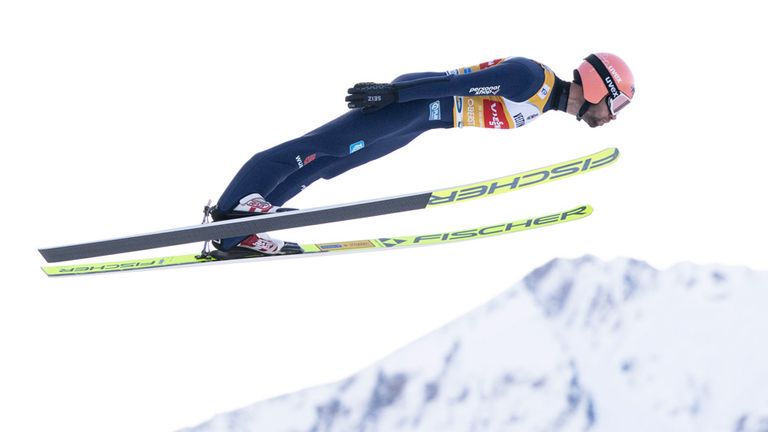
(585, 106)
(583, 110)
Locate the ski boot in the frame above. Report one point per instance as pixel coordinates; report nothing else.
(254, 245)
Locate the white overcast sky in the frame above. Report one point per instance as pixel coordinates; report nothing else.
(125, 117)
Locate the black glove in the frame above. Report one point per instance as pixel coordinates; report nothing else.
(371, 96)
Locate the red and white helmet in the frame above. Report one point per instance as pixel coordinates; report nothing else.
(602, 75)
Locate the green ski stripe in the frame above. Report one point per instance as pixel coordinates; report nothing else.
(323, 248)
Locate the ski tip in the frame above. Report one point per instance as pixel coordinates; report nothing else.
(613, 152)
(576, 213)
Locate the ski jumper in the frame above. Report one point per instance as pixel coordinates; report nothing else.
(501, 94)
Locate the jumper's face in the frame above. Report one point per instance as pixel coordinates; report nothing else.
(598, 114)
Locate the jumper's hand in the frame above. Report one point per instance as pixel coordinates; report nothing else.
(371, 96)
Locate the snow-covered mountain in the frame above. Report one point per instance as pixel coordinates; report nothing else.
(577, 345)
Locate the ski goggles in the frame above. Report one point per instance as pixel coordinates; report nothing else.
(618, 103)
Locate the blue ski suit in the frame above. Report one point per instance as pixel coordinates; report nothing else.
(501, 94)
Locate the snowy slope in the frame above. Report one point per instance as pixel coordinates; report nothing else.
(577, 345)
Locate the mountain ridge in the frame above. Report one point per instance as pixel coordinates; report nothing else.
(577, 345)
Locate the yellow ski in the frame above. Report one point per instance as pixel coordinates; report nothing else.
(344, 246)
